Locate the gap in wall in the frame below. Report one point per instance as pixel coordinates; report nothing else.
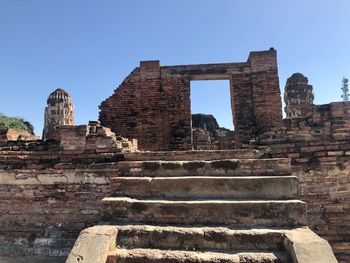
(212, 97)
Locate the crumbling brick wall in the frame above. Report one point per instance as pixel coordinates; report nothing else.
(153, 103)
(325, 187)
(47, 198)
(317, 139)
(322, 166)
(319, 145)
(13, 135)
(154, 110)
(92, 138)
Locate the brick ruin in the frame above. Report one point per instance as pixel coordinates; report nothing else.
(90, 174)
(317, 139)
(208, 135)
(298, 96)
(59, 111)
(153, 103)
(14, 135)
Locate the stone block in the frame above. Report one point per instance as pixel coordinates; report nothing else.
(93, 245)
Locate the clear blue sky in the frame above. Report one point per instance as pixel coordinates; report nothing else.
(88, 47)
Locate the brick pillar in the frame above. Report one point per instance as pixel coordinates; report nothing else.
(265, 90)
(242, 108)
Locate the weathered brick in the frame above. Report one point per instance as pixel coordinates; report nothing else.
(153, 103)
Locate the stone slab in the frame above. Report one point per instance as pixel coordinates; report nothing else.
(198, 238)
(305, 246)
(225, 167)
(200, 187)
(93, 245)
(192, 155)
(160, 256)
(227, 212)
(32, 259)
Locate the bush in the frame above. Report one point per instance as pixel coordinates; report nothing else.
(15, 123)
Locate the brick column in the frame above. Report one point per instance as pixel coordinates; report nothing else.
(266, 93)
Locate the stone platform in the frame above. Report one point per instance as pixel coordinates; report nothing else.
(203, 210)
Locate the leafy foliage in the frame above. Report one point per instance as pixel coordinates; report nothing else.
(15, 123)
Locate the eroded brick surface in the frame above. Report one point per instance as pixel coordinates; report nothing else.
(153, 103)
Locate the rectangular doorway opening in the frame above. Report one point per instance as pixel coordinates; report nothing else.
(212, 122)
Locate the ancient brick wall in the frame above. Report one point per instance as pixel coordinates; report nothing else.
(323, 167)
(47, 198)
(241, 94)
(265, 90)
(91, 138)
(13, 135)
(326, 189)
(43, 204)
(154, 110)
(334, 118)
(44, 218)
(327, 122)
(153, 103)
(317, 139)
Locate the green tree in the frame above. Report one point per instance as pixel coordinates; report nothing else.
(7, 122)
(345, 89)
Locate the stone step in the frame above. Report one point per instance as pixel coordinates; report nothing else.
(32, 259)
(211, 212)
(199, 238)
(193, 155)
(227, 167)
(175, 256)
(207, 187)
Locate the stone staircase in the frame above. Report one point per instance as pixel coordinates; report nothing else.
(223, 210)
(207, 204)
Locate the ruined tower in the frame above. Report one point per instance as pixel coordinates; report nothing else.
(298, 96)
(59, 111)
